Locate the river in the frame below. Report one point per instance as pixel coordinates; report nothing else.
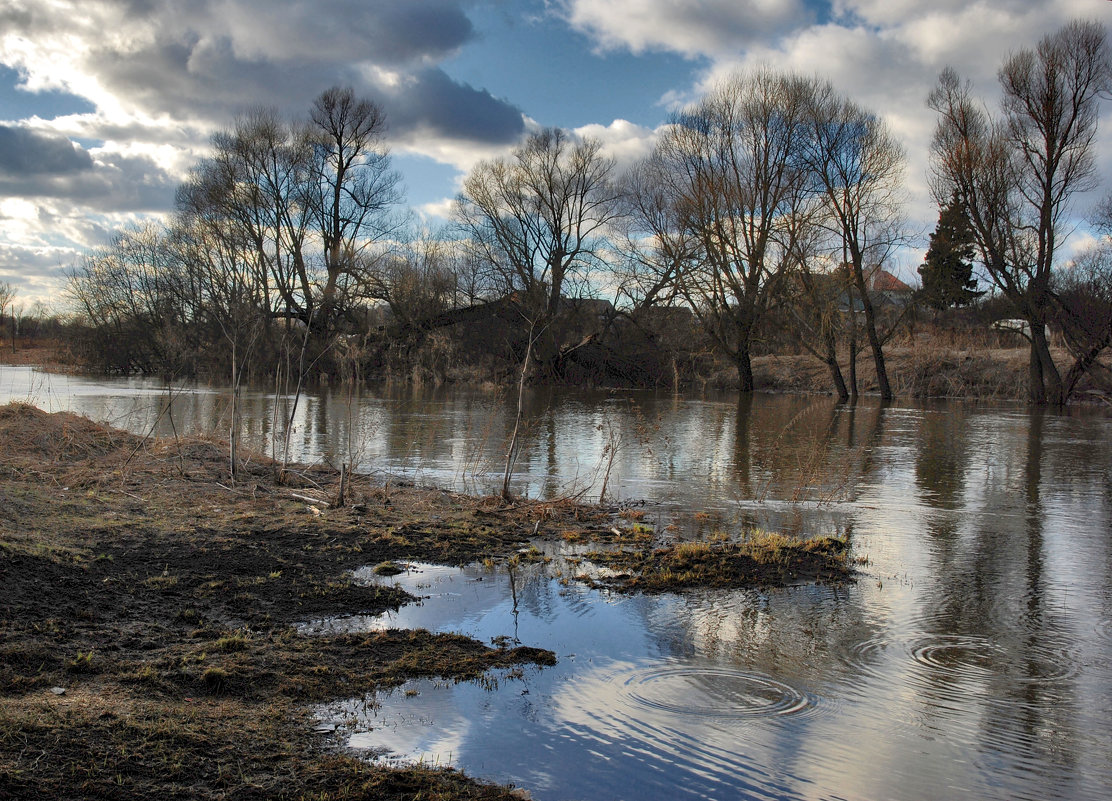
(971, 658)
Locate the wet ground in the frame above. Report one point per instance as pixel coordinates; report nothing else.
(155, 615)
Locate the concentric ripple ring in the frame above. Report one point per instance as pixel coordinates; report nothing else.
(715, 692)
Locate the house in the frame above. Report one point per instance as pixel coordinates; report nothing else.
(1019, 327)
(886, 289)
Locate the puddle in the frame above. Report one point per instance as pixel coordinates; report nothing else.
(714, 695)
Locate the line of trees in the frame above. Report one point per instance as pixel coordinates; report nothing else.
(1016, 174)
(765, 211)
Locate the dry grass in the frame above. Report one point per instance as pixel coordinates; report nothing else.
(163, 600)
(761, 559)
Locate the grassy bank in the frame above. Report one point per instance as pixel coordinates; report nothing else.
(148, 611)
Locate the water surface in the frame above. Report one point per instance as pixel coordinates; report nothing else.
(972, 658)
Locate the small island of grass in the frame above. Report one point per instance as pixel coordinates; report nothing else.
(763, 559)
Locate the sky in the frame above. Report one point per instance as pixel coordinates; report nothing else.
(106, 104)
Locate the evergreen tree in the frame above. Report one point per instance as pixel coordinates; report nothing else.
(947, 271)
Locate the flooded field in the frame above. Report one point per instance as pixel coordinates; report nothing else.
(971, 658)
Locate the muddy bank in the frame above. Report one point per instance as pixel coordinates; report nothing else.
(148, 646)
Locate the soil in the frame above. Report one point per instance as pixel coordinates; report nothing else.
(148, 610)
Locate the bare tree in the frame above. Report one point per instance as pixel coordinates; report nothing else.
(7, 296)
(858, 168)
(818, 293)
(224, 259)
(126, 291)
(1017, 173)
(537, 219)
(351, 187)
(271, 159)
(655, 246)
(1082, 293)
(736, 186)
(417, 278)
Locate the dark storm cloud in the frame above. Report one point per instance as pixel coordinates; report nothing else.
(24, 152)
(115, 183)
(20, 260)
(435, 103)
(208, 80)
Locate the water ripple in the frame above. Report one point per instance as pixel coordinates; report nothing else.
(715, 692)
(958, 655)
(1104, 629)
(966, 656)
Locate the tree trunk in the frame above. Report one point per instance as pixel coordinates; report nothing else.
(854, 392)
(835, 369)
(1049, 389)
(511, 452)
(839, 382)
(233, 457)
(744, 370)
(870, 329)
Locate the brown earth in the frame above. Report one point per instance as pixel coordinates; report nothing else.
(148, 646)
(766, 560)
(161, 599)
(40, 352)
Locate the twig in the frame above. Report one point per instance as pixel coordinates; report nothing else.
(308, 499)
(147, 436)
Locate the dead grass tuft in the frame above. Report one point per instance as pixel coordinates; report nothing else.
(762, 559)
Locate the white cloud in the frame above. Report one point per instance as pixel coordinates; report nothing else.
(684, 26)
(162, 75)
(621, 140)
(887, 54)
(441, 210)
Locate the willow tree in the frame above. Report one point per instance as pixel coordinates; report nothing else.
(350, 191)
(1016, 173)
(537, 220)
(857, 167)
(737, 190)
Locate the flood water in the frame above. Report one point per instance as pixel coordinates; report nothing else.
(972, 658)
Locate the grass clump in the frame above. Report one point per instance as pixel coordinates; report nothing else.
(762, 559)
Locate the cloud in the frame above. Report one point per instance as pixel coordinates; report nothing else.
(151, 81)
(24, 152)
(108, 181)
(693, 29)
(161, 75)
(887, 55)
(622, 141)
(430, 102)
(197, 62)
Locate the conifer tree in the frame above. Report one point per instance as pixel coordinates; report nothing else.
(947, 271)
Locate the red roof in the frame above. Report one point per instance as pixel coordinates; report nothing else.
(884, 281)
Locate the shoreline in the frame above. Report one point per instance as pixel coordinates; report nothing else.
(150, 612)
(924, 371)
